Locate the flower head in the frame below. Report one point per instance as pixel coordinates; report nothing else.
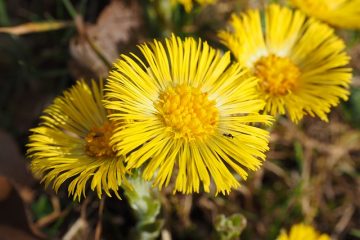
(188, 4)
(189, 113)
(339, 13)
(300, 62)
(72, 144)
(302, 232)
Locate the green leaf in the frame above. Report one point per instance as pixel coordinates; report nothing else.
(351, 108)
(41, 207)
(299, 153)
(355, 232)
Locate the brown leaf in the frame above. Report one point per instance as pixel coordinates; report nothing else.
(14, 174)
(10, 233)
(12, 163)
(13, 213)
(97, 46)
(5, 188)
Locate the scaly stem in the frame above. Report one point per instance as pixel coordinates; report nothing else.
(145, 203)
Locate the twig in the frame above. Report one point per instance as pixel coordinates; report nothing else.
(27, 28)
(56, 214)
(98, 229)
(83, 209)
(70, 8)
(345, 219)
(355, 81)
(272, 167)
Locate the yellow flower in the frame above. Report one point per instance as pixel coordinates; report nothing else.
(302, 232)
(190, 113)
(72, 144)
(339, 13)
(188, 4)
(300, 61)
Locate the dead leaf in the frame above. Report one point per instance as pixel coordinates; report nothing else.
(5, 188)
(355, 57)
(10, 233)
(27, 28)
(13, 213)
(12, 163)
(13, 168)
(97, 46)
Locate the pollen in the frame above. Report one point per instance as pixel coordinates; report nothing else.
(98, 141)
(278, 75)
(188, 112)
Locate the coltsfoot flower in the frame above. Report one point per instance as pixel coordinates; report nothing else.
(339, 13)
(302, 232)
(189, 113)
(301, 63)
(72, 144)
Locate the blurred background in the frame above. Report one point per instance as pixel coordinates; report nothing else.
(312, 172)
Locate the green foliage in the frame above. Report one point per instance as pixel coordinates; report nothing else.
(352, 108)
(229, 228)
(355, 233)
(4, 19)
(299, 153)
(41, 207)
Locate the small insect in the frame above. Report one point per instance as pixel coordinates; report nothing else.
(228, 135)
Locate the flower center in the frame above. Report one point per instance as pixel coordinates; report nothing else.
(98, 141)
(278, 75)
(188, 112)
